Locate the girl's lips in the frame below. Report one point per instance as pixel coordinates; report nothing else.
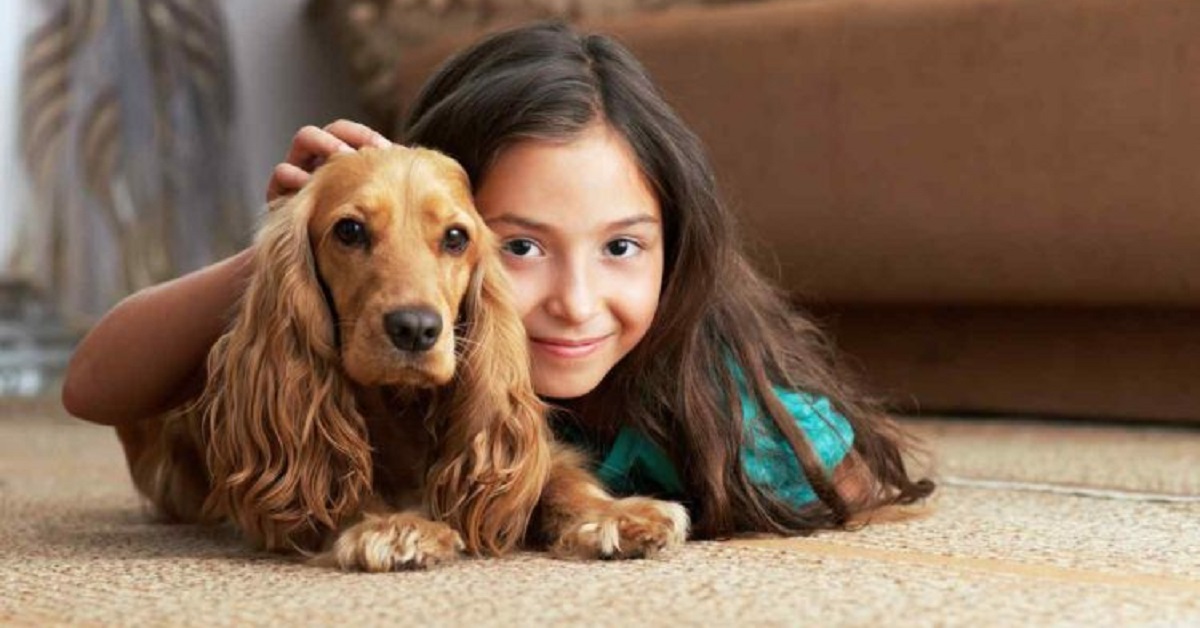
(563, 348)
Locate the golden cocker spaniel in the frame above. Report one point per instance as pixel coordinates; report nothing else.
(371, 402)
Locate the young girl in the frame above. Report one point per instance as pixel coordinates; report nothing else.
(671, 360)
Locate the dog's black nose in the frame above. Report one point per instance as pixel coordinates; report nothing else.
(413, 329)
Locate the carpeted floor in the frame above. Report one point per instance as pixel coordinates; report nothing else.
(1042, 524)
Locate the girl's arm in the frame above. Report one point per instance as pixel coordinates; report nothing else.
(147, 355)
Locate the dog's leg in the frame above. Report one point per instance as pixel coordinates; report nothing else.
(577, 518)
(392, 541)
(167, 467)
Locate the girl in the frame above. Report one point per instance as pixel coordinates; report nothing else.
(670, 359)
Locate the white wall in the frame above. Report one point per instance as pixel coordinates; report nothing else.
(14, 192)
(285, 78)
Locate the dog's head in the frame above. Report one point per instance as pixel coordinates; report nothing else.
(379, 272)
(396, 241)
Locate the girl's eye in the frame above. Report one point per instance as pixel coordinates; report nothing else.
(455, 241)
(521, 247)
(351, 233)
(622, 247)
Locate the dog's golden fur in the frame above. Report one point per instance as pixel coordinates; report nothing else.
(316, 432)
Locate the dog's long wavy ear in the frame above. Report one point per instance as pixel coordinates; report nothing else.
(494, 450)
(287, 447)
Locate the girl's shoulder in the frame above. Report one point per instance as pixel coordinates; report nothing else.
(766, 455)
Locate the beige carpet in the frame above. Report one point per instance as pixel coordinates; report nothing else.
(1036, 524)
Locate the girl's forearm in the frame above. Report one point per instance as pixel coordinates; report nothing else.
(148, 353)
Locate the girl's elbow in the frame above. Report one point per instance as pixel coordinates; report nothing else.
(83, 391)
(78, 396)
(75, 396)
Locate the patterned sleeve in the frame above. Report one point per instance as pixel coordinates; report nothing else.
(768, 460)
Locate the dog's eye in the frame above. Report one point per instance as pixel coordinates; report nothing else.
(351, 232)
(455, 241)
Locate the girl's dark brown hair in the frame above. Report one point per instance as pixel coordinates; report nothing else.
(547, 82)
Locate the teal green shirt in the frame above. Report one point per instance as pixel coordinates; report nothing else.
(634, 464)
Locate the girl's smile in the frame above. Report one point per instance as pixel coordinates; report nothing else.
(565, 349)
(581, 237)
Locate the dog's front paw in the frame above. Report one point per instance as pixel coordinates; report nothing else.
(634, 527)
(394, 542)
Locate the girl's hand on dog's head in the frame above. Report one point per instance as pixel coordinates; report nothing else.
(312, 146)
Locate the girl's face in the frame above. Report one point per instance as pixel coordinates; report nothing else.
(582, 240)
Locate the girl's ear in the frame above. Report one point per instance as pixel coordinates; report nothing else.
(286, 445)
(493, 455)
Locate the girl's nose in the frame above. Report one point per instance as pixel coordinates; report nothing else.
(575, 299)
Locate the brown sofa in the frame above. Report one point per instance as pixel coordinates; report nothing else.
(992, 203)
